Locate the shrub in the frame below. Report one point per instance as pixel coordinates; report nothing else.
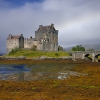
(34, 48)
(14, 50)
(60, 48)
(70, 54)
(56, 54)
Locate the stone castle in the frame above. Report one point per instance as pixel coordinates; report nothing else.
(46, 39)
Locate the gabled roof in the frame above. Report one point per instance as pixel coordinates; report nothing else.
(14, 37)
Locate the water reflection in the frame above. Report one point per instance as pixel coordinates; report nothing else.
(13, 72)
(36, 72)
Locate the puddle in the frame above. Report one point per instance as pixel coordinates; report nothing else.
(35, 72)
(64, 75)
(12, 72)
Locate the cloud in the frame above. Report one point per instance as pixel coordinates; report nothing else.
(78, 21)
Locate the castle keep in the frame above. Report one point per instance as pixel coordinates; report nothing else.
(46, 39)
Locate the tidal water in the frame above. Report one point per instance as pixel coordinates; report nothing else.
(12, 72)
(24, 72)
(1, 54)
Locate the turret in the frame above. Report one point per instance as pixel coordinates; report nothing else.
(10, 36)
(52, 25)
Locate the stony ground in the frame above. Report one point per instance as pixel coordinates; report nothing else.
(74, 88)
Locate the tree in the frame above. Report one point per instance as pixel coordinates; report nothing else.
(78, 48)
(60, 48)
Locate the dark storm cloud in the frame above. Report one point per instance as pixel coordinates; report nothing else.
(78, 21)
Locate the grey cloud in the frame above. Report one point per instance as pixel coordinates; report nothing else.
(78, 21)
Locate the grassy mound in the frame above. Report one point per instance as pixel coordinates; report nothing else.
(31, 53)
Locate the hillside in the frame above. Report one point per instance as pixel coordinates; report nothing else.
(87, 47)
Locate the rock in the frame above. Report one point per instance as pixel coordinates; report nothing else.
(42, 57)
(21, 57)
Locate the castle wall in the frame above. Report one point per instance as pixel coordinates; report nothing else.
(40, 44)
(12, 44)
(28, 43)
(46, 39)
(38, 34)
(53, 39)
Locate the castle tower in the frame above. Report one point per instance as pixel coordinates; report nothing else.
(49, 37)
(13, 42)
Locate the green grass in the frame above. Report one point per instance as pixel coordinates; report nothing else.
(34, 54)
(90, 56)
(84, 86)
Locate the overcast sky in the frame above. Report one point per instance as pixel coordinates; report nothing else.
(78, 21)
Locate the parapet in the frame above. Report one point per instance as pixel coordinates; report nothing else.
(10, 36)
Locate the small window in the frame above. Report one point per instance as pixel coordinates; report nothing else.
(44, 40)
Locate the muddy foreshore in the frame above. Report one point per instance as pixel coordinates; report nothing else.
(25, 60)
(38, 61)
(74, 88)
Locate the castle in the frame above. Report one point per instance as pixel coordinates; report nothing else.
(46, 39)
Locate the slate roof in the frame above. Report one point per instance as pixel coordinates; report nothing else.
(14, 37)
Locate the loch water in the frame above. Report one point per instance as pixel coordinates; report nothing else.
(31, 72)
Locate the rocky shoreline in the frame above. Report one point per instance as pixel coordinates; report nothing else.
(33, 58)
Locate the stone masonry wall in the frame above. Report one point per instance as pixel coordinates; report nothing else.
(11, 44)
(46, 39)
(28, 42)
(50, 36)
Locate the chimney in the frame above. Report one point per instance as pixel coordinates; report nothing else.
(40, 26)
(52, 25)
(31, 37)
(10, 36)
(21, 34)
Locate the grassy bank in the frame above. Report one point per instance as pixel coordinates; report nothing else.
(34, 54)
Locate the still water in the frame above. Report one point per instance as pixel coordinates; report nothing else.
(22, 72)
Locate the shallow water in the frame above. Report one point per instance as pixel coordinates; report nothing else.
(16, 72)
(12, 72)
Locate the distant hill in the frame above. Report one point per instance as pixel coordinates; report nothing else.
(92, 46)
(87, 47)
